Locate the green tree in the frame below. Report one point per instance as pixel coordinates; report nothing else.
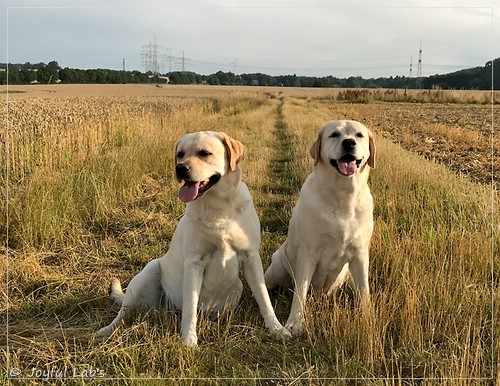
(47, 75)
(27, 76)
(354, 82)
(213, 79)
(54, 65)
(3, 77)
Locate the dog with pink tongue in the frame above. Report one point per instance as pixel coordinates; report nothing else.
(331, 225)
(218, 235)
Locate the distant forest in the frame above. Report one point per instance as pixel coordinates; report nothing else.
(477, 78)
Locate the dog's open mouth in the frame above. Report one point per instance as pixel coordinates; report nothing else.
(347, 165)
(191, 190)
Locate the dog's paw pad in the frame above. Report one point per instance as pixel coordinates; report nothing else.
(296, 327)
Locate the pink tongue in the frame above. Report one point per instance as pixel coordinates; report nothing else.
(347, 168)
(189, 191)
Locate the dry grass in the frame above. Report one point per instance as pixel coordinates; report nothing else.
(416, 96)
(95, 198)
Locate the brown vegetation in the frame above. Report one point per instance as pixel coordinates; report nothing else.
(91, 196)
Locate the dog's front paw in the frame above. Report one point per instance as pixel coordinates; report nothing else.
(190, 339)
(281, 331)
(276, 329)
(295, 325)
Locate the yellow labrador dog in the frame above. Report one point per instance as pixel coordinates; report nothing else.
(219, 232)
(331, 225)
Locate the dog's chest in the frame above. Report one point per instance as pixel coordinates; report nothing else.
(343, 228)
(347, 220)
(340, 235)
(226, 234)
(222, 267)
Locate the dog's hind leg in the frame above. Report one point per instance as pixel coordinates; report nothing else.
(277, 273)
(116, 292)
(144, 292)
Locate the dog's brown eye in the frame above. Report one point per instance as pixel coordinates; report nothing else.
(204, 153)
(180, 154)
(360, 135)
(334, 135)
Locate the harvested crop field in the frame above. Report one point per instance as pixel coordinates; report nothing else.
(456, 132)
(91, 196)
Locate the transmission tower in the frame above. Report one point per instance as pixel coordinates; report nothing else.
(149, 56)
(169, 58)
(419, 68)
(182, 61)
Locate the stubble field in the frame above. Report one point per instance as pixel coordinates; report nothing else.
(91, 195)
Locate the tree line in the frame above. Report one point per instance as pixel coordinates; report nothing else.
(28, 73)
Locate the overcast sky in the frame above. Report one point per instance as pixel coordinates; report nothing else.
(303, 37)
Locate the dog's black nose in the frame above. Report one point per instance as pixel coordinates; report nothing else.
(348, 144)
(182, 171)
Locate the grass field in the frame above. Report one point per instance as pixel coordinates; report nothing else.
(91, 196)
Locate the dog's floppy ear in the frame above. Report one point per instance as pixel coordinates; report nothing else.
(234, 149)
(315, 150)
(175, 159)
(175, 150)
(373, 150)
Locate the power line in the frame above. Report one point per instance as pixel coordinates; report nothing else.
(152, 63)
(266, 67)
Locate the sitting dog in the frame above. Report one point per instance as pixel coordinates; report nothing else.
(331, 225)
(218, 234)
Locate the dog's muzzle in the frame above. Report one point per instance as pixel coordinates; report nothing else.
(182, 172)
(191, 190)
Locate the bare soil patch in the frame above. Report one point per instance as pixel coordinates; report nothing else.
(458, 136)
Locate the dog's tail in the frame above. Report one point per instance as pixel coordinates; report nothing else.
(115, 291)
